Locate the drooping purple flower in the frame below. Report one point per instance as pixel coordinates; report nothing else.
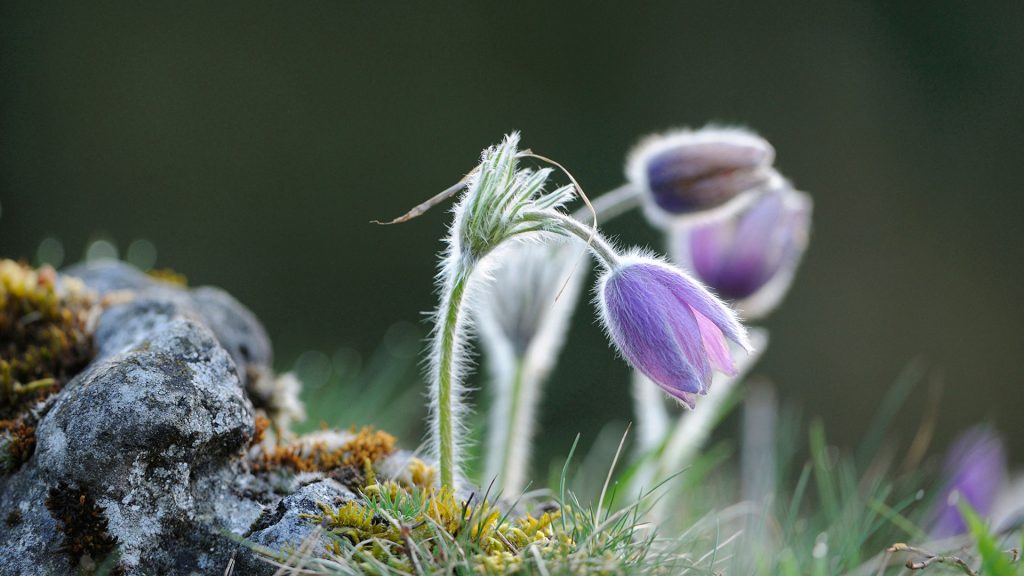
(688, 172)
(668, 326)
(974, 471)
(749, 257)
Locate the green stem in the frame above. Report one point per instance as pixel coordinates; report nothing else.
(515, 404)
(446, 400)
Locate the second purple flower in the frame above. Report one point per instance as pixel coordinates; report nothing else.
(749, 258)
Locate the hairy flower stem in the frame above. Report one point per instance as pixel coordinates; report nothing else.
(605, 253)
(448, 397)
(449, 404)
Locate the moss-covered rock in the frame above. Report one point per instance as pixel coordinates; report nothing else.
(140, 454)
(159, 443)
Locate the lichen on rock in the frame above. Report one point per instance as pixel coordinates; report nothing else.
(159, 442)
(150, 434)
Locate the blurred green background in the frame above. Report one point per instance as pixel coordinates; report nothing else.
(252, 142)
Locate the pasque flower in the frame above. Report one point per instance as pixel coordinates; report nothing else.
(665, 323)
(668, 326)
(749, 257)
(687, 173)
(501, 203)
(974, 471)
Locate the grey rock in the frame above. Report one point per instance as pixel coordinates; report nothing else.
(155, 431)
(239, 332)
(283, 527)
(29, 539)
(172, 398)
(169, 525)
(105, 276)
(235, 326)
(137, 428)
(129, 324)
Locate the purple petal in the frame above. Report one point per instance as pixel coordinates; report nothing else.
(676, 194)
(686, 398)
(707, 245)
(691, 158)
(686, 172)
(691, 293)
(740, 256)
(757, 246)
(974, 469)
(656, 317)
(715, 345)
(654, 333)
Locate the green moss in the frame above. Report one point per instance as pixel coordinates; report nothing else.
(169, 276)
(394, 520)
(405, 516)
(44, 342)
(398, 523)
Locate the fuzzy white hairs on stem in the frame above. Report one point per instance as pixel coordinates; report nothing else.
(500, 203)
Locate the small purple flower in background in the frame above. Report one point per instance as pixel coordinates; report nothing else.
(750, 257)
(686, 173)
(974, 471)
(668, 326)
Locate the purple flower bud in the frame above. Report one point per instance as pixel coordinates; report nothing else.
(974, 471)
(668, 326)
(750, 257)
(687, 172)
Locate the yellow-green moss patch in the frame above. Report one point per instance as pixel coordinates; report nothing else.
(399, 525)
(365, 446)
(44, 341)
